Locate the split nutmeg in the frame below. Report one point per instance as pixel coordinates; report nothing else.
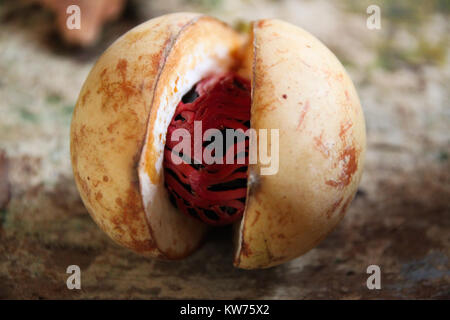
(175, 71)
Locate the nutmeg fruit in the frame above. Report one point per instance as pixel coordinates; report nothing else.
(298, 87)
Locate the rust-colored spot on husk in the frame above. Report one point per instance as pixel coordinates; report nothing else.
(344, 128)
(333, 208)
(345, 206)
(256, 217)
(303, 113)
(245, 249)
(323, 149)
(349, 158)
(85, 96)
(130, 218)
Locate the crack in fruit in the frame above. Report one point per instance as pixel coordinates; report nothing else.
(214, 193)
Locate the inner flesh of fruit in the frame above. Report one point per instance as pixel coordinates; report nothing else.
(214, 193)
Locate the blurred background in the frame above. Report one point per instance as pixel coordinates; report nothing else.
(400, 219)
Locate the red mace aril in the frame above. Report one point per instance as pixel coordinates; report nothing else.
(214, 193)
